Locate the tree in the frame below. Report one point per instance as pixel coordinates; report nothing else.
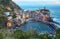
(3, 21)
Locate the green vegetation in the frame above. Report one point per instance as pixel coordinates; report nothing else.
(18, 34)
(5, 2)
(2, 9)
(9, 3)
(3, 21)
(1, 36)
(58, 33)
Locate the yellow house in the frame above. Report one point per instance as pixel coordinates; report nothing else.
(27, 16)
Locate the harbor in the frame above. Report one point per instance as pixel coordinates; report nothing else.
(40, 21)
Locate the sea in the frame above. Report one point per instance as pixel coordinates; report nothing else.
(54, 10)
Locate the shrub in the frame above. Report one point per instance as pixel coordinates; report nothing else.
(18, 34)
(1, 36)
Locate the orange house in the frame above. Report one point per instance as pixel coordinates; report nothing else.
(9, 24)
(8, 8)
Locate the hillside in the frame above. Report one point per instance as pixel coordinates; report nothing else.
(7, 6)
(8, 3)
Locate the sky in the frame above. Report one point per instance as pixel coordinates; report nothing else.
(38, 1)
